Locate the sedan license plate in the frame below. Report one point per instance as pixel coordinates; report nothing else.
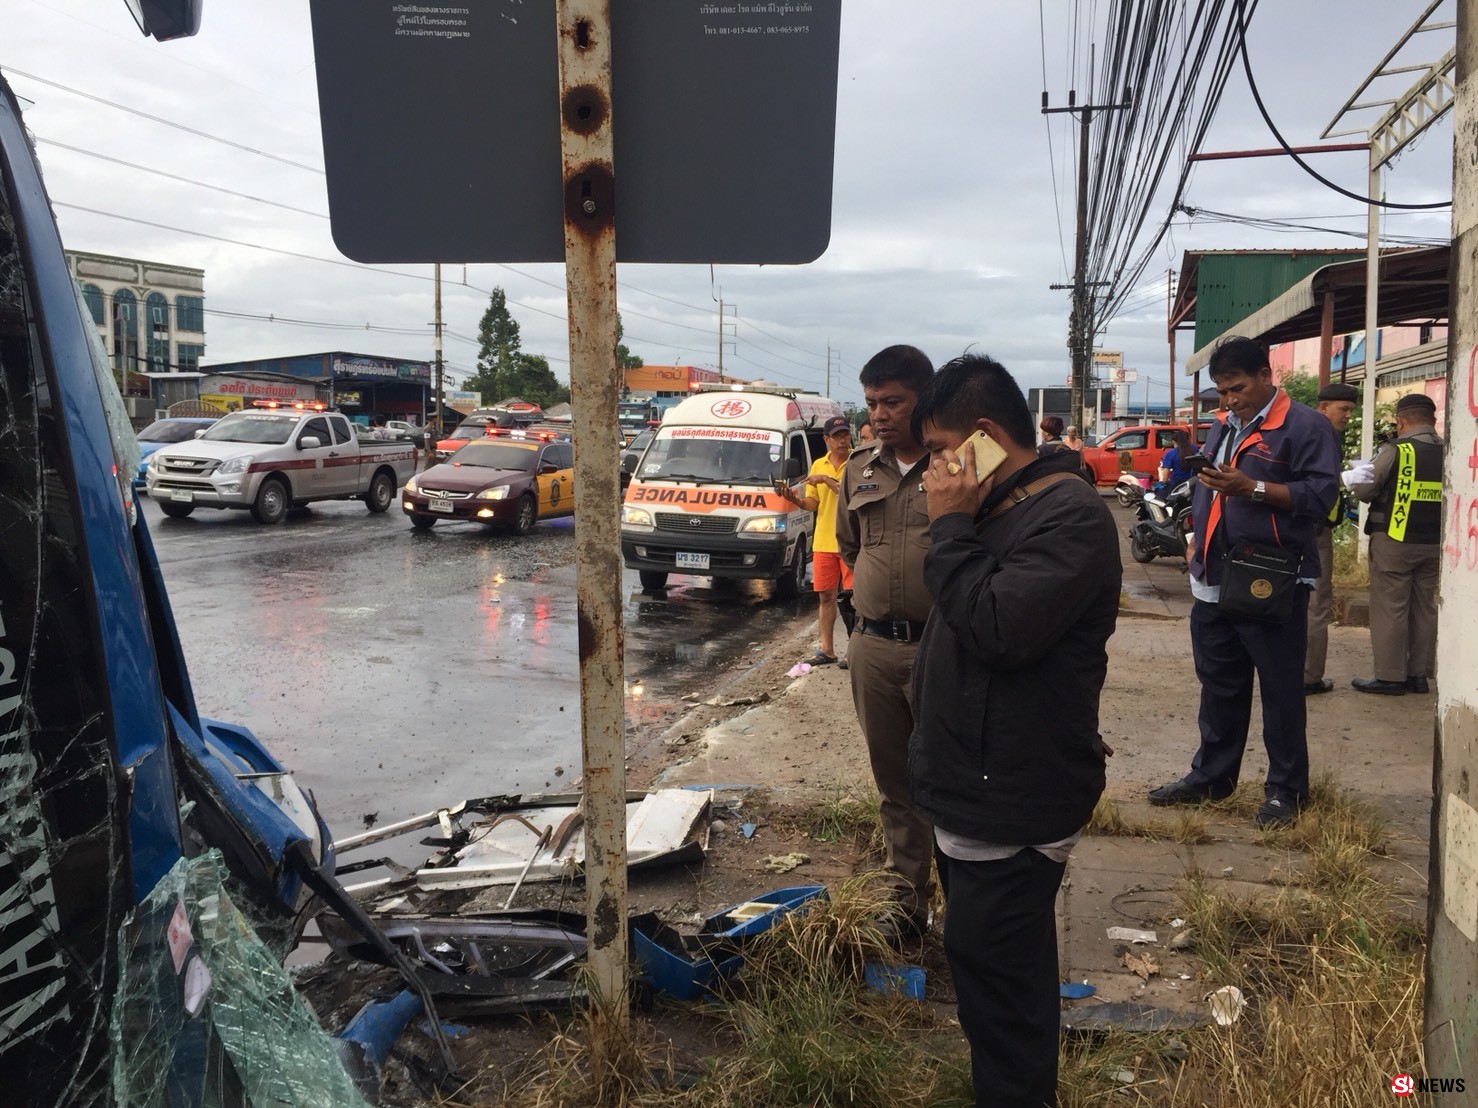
(441, 506)
(691, 561)
(182, 494)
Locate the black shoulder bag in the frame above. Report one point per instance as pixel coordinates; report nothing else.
(1257, 582)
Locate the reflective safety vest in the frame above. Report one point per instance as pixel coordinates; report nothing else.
(1414, 503)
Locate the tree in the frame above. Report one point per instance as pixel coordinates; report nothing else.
(625, 359)
(531, 378)
(498, 351)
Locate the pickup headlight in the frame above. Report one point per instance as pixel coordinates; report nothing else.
(764, 525)
(235, 465)
(499, 493)
(632, 516)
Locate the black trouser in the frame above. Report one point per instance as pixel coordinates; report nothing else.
(1228, 652)
(1000, 934)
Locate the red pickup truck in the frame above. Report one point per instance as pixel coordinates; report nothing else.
(1143, 446)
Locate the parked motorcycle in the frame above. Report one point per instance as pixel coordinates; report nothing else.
(1162, 524)
(1131, 487)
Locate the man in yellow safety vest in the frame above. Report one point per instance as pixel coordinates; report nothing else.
(1405, 529)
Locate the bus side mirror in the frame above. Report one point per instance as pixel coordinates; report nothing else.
(166, 19)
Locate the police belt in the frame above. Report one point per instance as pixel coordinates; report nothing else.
(899, 630)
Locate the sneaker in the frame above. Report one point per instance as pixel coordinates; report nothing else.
(1275, 812)
(1183, 792)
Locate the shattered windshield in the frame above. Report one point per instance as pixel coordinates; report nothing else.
(259, 427)
(732, 455)
(497, 455)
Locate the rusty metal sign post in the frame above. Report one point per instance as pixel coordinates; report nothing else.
(590, 261)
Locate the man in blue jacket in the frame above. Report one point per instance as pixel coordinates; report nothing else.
(1275, 479)
(1006, 760)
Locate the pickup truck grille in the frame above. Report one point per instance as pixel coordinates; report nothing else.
(187, 467)
(443, 494)
(696, 524)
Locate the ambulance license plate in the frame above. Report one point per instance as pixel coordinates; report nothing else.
(182, 494)
(442, 506)
(691, 561)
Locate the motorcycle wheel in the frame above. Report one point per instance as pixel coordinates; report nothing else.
(1138, 551)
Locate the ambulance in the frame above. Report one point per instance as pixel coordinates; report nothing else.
(702, 500)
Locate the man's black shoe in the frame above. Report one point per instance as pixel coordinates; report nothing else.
(1314, 688)
(1275, 812)
(901, 929)
(1376, 685)
(1183, 792)
(1417, 685)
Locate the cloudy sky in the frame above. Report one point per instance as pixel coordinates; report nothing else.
(947, 227)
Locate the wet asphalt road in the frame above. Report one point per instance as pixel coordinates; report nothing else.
(394, 671)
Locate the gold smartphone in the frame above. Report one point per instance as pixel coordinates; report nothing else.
(988, 454)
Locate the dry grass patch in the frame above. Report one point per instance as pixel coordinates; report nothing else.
(1180, 825)
(849, 814)
(1332, 975)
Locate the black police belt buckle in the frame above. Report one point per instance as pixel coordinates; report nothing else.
(1258, 582)
(899, 630)
(847, 610)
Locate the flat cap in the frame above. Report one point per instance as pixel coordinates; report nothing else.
(1416, 402)
(1336, 391)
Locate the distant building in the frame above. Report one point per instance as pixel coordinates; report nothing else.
(151, 315)
(668, 382)
(363, 386)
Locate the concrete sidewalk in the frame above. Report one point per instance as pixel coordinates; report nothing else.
(803, 743)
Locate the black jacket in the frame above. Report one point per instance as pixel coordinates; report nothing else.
(1006, 683)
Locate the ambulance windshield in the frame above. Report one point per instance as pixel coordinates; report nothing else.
(717, 455)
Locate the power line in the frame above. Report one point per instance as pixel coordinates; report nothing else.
(177, 177)
(1305, 166)
(163, 121)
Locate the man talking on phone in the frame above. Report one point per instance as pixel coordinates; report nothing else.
(1006, 759)
(1260, 505)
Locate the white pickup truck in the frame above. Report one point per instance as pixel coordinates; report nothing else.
(268, 460)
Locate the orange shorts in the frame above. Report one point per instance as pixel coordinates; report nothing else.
(827, 568)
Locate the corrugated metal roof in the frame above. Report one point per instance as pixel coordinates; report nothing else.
(1413, 285)
(1232, 287)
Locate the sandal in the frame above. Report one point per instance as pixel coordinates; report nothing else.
(821, 658)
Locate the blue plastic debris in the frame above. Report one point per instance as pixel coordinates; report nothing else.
(903, 980)
(1075, 990)
(686, 966)
(748, 829)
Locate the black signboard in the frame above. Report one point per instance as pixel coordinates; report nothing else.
(441, 129)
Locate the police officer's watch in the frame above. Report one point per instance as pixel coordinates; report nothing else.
(1259, 491)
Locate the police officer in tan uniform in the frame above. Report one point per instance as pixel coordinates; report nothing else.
(1336, 404)
(1405, 529)
(882, 533)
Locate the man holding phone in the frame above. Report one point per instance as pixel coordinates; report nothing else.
(1024, 572)
(1273, 479)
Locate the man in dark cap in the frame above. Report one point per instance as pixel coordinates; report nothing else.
(1336, 403)
(1405, 529)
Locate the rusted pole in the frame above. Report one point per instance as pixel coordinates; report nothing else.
(590, 264)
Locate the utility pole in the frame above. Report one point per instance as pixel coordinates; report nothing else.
(723, 331)
(1081, 329)
(828, 368)
(1170, 335)
(436, 420)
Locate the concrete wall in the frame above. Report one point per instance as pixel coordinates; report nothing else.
(1452, 968)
